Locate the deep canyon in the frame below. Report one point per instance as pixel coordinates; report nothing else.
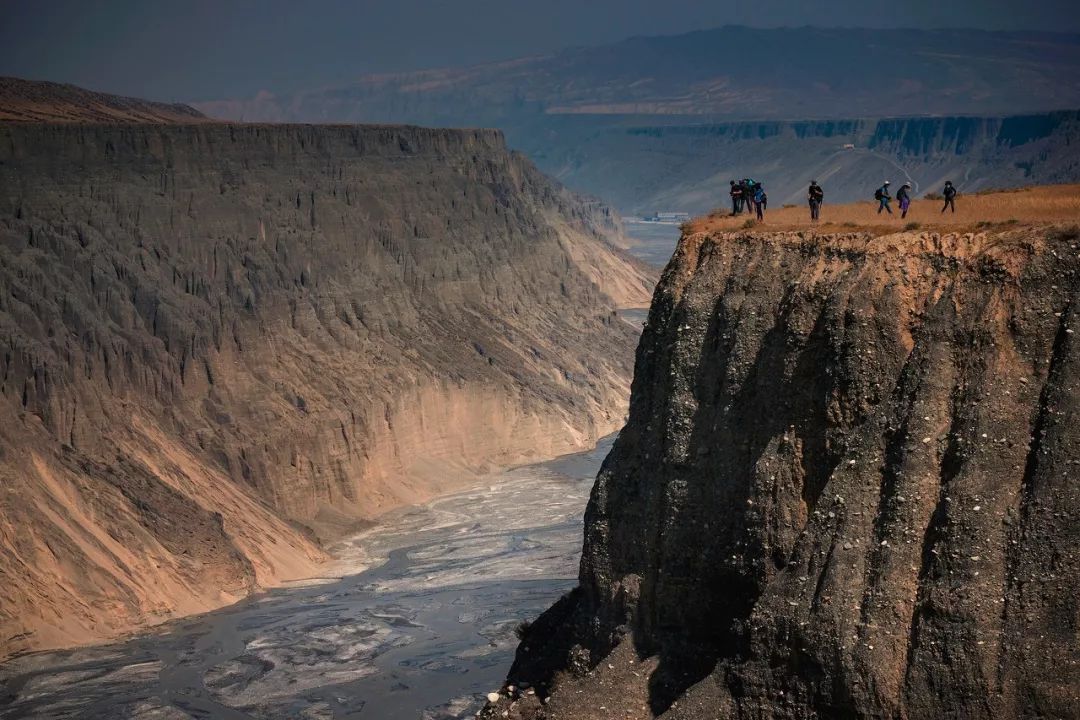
(223, 346)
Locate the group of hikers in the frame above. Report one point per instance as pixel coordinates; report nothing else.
(749, 195)
(903, 198)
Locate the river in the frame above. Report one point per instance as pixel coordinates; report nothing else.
(417, 620)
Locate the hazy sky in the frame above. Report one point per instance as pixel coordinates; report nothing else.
(207, 49)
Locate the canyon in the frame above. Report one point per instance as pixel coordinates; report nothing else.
(223, 346)
(847, 486)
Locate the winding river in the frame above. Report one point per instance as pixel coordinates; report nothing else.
(417, 620)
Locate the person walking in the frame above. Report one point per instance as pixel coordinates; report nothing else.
(949, 193)
(903, 198)
(815, 196)
(736, 198)
(883, 197)
(761, 200)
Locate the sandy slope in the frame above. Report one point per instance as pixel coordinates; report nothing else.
(219, 342)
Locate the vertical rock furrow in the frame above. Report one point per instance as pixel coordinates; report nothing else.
(865, 505)
(199, 323)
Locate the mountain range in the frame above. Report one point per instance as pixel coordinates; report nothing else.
(661, 123)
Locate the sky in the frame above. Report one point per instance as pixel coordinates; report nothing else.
(211, 49)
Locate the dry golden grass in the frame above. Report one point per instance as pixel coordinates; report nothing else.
(1051, 204)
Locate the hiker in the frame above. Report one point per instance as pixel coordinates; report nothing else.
(903, 197)
(883, 197)
(815, 195)
(949, 193)
(736, 198)
(761, 200)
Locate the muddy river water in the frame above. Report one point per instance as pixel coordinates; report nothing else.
(423, 632)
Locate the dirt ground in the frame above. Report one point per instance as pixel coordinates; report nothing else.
(1000, 209)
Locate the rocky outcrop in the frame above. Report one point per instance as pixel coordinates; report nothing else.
(221, 342)
(847, 488)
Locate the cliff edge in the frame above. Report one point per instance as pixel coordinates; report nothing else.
(847, 488)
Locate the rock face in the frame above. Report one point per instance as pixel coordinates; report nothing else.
(217, 342)
(847, 488)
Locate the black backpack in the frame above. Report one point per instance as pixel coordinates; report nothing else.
(878, 195)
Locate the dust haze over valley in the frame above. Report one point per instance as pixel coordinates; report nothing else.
(404, 363)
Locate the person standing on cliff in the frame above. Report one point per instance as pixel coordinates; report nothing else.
(903, 197)
(949, 193)
(815, 195)
(883, 197)
(761, 200)
(736, 198)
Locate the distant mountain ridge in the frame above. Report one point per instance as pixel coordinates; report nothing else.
(662, 123)
(50, 102)
(729, 72)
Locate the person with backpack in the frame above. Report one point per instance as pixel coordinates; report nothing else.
(815, 196)
(736, 198)
(761, 200)
(903, 197)
(949, 193)
(883, 197)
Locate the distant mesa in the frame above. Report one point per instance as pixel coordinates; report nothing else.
(49, 102)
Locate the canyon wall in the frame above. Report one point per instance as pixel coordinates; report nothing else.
(221, 344)
(847, 489)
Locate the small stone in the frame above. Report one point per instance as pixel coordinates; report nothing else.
(493, 697)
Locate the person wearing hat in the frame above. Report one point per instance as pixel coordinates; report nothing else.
(903, 197)
(949, 193)
(815, 195)
(883, 197)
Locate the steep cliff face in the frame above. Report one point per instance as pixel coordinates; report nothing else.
(217, 339)
(847, 488)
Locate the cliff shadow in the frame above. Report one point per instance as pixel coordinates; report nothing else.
(733, 530)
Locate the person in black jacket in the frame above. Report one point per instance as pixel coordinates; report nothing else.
(815, 196)
(736, 198)
(949, 193)
(903, 198)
